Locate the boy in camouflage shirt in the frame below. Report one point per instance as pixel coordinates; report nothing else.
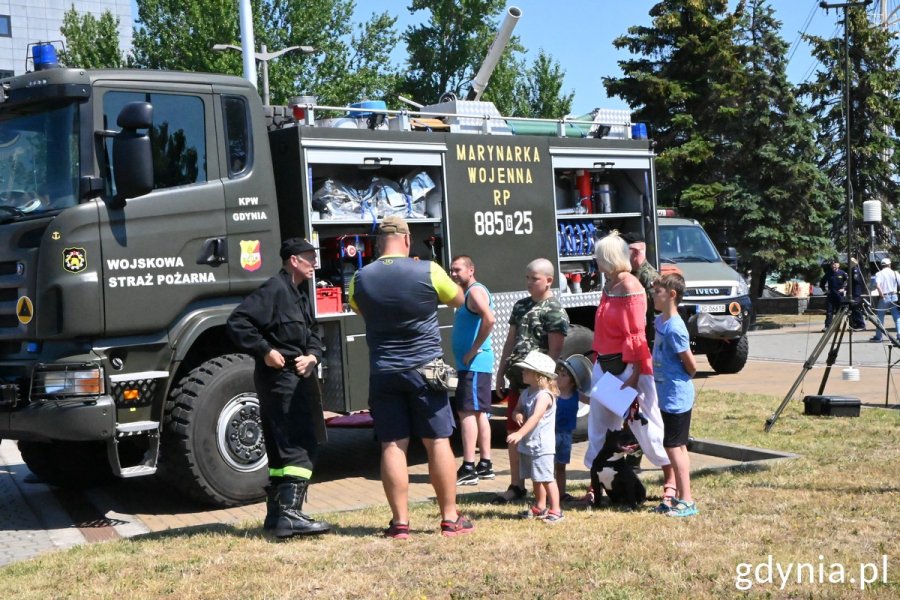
(538, 322)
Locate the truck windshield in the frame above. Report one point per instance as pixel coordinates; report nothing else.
(685, 243)
(39, 161)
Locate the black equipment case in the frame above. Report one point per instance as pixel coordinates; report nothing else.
(835, 406)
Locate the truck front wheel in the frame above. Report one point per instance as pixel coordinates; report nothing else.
(731, 358)
(212, 445)
(75, 465)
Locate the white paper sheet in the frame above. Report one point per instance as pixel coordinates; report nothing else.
(607, 390)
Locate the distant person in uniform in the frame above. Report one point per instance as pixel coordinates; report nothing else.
(644, 271)
(472, 327)
(857, 322)
(834, 282)
(275, 325)
(398, 297)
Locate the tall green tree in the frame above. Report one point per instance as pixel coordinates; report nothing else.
(874, 113)
(735, 149)
(446, 51)
(347, 65)
(539, 93)
(91, 42)
(684, 81)
(785, 203)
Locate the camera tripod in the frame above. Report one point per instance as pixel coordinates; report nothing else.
(835, 334)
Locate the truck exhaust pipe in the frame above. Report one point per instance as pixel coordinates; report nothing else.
(494, 52)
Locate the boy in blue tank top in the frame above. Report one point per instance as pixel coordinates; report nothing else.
(472, 326)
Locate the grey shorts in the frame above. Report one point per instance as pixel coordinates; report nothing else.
(538, 469)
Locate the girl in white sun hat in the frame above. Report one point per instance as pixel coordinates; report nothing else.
(536, 438)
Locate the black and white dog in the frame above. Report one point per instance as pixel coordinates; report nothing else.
(612, 474)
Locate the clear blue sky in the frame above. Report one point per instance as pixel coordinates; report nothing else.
(579, 34)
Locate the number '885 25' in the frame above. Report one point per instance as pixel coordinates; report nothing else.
(497, 222)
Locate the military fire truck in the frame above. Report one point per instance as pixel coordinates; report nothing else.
(138, 208)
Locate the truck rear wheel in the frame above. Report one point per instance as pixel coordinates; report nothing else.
(212, 445)
(731, 358)
(74, 465)
(578, 341)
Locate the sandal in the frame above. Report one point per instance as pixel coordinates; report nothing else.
(398, 531)
(668, 500)
(513, 492)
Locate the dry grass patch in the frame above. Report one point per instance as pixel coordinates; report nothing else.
(839, 500)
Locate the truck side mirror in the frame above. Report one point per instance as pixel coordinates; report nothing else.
(131, 156)
(730, 257)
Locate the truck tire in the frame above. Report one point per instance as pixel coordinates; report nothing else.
(212, 444)
(731, 358)
(578, 341)
(74, 465)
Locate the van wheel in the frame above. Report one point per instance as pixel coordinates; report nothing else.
(579, 341)
(731, 358)
(212, 444)
(74, 465)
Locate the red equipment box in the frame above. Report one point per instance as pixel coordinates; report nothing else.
(328, 300)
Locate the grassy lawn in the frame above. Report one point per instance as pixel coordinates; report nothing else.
(838, 503)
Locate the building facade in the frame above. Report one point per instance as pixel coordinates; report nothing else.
(24, 22)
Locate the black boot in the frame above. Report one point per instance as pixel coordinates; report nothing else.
(291, 519)
(271, 506)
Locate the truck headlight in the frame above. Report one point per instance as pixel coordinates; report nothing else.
(66, 380)
(742, 288)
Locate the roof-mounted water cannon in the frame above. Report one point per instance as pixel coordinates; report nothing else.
(494, 53)
(43, 55)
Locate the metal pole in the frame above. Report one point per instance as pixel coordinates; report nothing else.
(248, 44)
(849, 200)
(265, 74)
(849, 158)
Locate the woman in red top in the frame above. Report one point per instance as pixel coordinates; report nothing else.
(621, 345)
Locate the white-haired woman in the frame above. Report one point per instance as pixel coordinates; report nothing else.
(621, 345)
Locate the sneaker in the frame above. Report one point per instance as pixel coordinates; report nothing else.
(552, 518)
(513, 492)
(683, 509)
(398, 531)
(874, 339)
(458, 527)
(466, 476)
(484, 471)
(533, 512)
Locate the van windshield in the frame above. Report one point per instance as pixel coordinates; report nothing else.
(39, 161)
(686, 243)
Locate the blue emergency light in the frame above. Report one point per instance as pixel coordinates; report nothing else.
(44, 56)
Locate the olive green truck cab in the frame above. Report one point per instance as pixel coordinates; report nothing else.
(138, 208)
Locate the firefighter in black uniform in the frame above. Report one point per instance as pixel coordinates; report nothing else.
(275, 325)
(835, 282)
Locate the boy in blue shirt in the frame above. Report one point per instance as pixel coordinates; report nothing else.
(573, 378)
(673, 368)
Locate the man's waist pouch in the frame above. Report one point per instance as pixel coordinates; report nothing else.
(611, 363)
(439, 375)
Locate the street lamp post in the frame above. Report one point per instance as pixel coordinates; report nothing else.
(264, 56)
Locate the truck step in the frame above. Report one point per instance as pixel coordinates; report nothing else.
(137, 471)
(136, 428)
(143, 432)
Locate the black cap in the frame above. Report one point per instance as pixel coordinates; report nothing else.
(632, 237)
(293, 246)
